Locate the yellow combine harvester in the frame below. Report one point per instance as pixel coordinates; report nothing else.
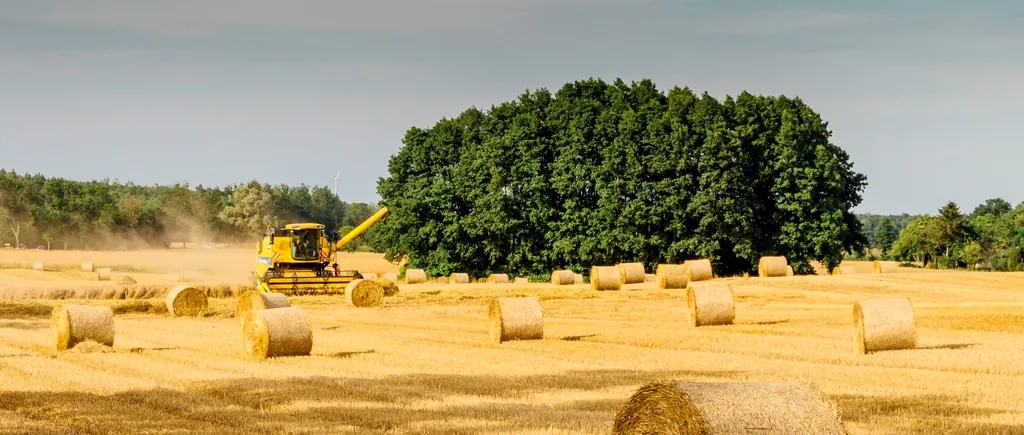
(297, 259)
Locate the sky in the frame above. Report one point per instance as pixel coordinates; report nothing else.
(925, 96)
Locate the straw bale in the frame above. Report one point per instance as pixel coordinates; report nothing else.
(277, 332)
(103, 274)
(73, 324)
(578, 278)
(498, 278)
(771, 266)
(516, 319)
(885, 324)
(363, 293)
(458, 278)
(253, 300)
(185, 300)
(711, 304)
(672, 276)
(369, 275)
(391, 276)
(880, 267)
(631, 273)
(37, 265)
(700, 408)
(87, 267)
(389, 286)
(522, 280)
(651, 277)
(415, 276)
(699, 270)
(605, 278)
(844, 270)
(789, 270)
(563, 277)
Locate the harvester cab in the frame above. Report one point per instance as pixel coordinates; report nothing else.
(298, 259)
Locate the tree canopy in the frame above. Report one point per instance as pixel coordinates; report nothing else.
(600, 173)
(991, 237)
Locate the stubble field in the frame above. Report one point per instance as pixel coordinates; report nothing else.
(422, 362)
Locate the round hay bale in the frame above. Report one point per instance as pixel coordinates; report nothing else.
(369, 275)
(578, 278)
(390, 287)
(87, 267)
(253, 300)
(522, 280)
(844, 270)
(516, 319)
(276, 332)
(771, 266)
(699, 270)
(498, 278)
(699, 408)
(37, 265)
(458, 278)
(651, 277)
(605, 278)
(415, 276)
(185, 300)
(631, 273)
(711, 304)
(391, 276)
(672, 276)
(880, 267)
(563, 277)
(73, 324)
(789, 270)
(363, 293)
(886, 324)
(103, 274)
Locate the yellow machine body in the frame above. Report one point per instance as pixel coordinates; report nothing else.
(297, 259)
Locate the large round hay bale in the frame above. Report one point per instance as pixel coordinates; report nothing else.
(883, 267)
(578, 278)
(605, 278)
(700, 408)
(516, 319)
(391, 276)
(671, 276)
(415, 276)
(458, 278)
(651, 277)
(389, 286)
(498, 278)
(711, 304)
(253, 300)
(185, 300)
(38, 265)
(771, 266)
(73, 324)
(276, 332)
(103, 274)
(87, 267)
(844, 270)
(369, 275)
(522, 280)
(885, 324)
(631, 273)
(699, 270)
(563, 277)
(363, 293)
(789, 270)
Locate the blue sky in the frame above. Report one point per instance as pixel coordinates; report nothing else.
(925, 96)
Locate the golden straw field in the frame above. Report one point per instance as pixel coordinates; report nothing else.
(423, 362)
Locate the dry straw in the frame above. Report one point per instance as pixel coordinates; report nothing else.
(844, 270)
(516, 319)
(415, 276)
(789, 270)
(771, 266)
(711, 304)
(276, 332)
(578, 278)
(886, 324)
(369, 275)
(631, 273)
(605, 278)
(458, 278)
(37, 265)
(522, 280)
(671, 276)
(73, 324)
(87, 267)
(651, 277)
(391, 276)
(390, 287)
(498, 278)
(563, 277)
(185, 300)
(364, 293)
(699, 270)
(700, 408)
(880, 267)
(253, 300)
(103, 274)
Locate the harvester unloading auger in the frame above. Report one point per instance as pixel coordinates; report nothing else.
(297, 259)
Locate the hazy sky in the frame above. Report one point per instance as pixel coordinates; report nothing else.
(926, 96)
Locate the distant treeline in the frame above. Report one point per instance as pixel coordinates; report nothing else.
(36, 210)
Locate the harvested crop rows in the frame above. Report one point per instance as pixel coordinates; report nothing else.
(424, 360)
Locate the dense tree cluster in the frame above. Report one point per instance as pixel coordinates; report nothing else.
(991, 237)
(36, 210)
(600, 173)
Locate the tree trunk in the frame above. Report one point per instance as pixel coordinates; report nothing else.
(16, 229)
